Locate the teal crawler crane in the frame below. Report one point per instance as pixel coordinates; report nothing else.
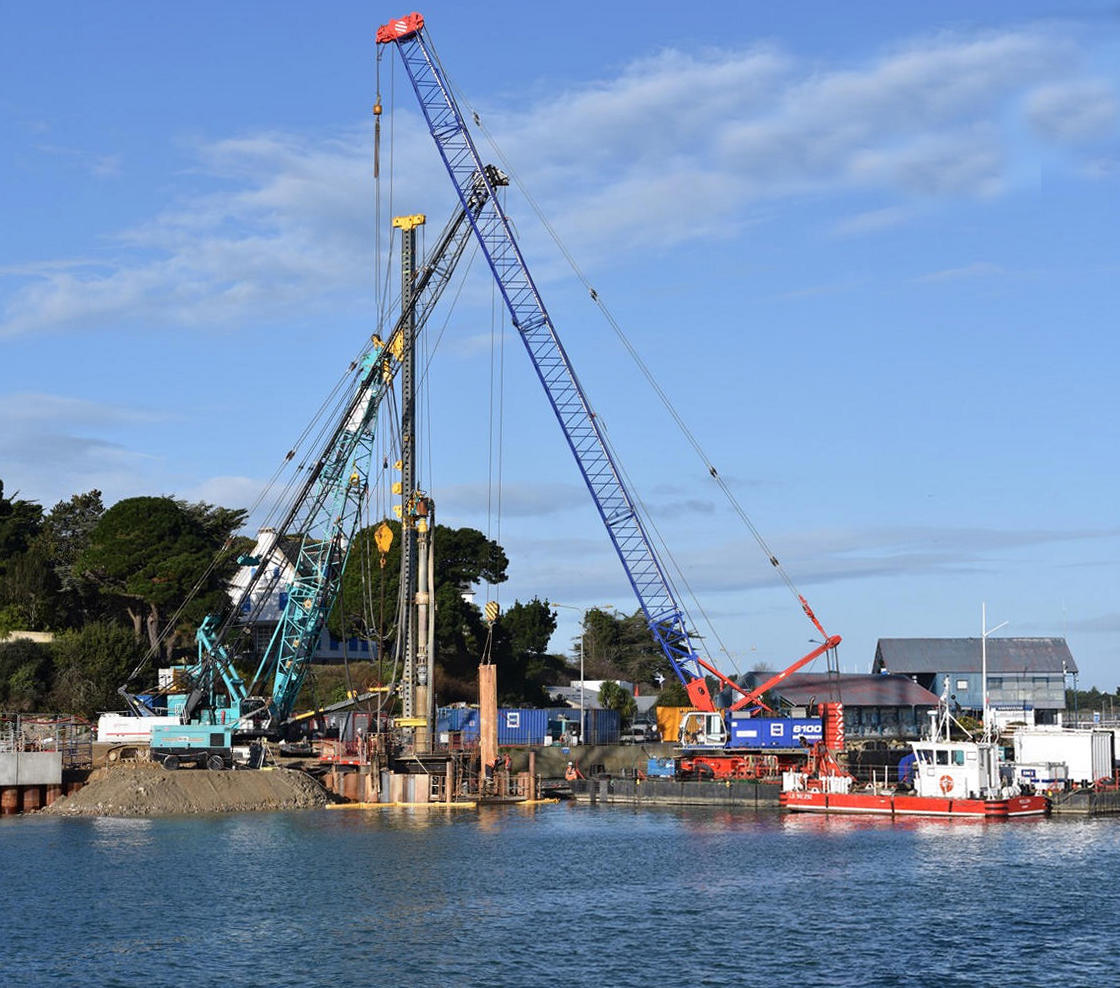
(216, 706)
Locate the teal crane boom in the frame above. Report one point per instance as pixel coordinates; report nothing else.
(325, 513)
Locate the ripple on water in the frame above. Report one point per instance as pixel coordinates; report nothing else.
(579, 895)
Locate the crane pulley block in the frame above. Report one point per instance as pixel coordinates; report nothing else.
(400, 29)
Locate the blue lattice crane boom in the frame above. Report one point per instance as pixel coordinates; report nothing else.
(325, 514)
(593, 456)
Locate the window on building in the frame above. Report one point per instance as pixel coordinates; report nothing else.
(962, 684)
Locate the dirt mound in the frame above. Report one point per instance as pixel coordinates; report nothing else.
(148, 790)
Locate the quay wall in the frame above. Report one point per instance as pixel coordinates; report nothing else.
(669, 792)
(1084, 802)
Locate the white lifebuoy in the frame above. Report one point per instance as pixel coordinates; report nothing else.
(946, 784)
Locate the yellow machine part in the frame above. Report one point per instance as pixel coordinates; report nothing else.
(669, 721)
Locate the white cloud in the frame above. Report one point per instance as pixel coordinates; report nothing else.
(49, 444)
(231, 492)
(978, 269)
(98, 165)
(38, 408)
(516, 500)
(677, 147)
(871, 221)
(1079, 111)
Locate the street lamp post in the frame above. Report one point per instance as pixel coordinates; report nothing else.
(582, 637)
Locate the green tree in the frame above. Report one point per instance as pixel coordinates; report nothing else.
(530, 626)
(673, 694)
(25, 674)
(30, 586)
(20, 522)
(91, 663)
(153, 555)
(26, 593)
(615, 697)
(64, 536)
(367, 604)
(618, 646)
(520, 650)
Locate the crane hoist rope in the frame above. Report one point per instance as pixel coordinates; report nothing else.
(631, 350)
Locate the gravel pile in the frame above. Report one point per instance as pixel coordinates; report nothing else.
(139, 790)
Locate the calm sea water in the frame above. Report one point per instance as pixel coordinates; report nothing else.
(558, 895)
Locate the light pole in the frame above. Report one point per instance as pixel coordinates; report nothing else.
(984, 632)
(582, 635)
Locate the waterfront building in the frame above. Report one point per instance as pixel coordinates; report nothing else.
(1027, 677)
(875, 706)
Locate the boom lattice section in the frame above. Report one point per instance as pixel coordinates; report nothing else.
(532, 321)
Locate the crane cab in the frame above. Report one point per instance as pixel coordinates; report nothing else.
(700, 729)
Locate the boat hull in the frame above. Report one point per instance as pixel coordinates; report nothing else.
(893, 804)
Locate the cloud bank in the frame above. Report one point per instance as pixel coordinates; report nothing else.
(677, 147)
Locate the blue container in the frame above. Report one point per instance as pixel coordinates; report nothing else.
(452, 718)
(602, 726)
(458, 719)
(773, 732)
(522, 726)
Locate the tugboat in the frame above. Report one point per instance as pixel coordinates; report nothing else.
(947, 779)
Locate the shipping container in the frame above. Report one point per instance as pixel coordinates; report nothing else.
(773, 732)
(1087, 754)
(454, 718)
(524, 726)
(602, 726)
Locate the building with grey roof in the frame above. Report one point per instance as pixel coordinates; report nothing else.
(875, 706)
(1027, 677)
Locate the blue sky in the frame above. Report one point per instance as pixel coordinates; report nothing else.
(869, 250)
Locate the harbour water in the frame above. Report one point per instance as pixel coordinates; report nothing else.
(557, 895)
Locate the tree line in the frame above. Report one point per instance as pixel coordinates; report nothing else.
(113, 585)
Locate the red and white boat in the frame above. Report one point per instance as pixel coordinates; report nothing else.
(949, 779)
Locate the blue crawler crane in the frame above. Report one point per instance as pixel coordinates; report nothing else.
(597, 464)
